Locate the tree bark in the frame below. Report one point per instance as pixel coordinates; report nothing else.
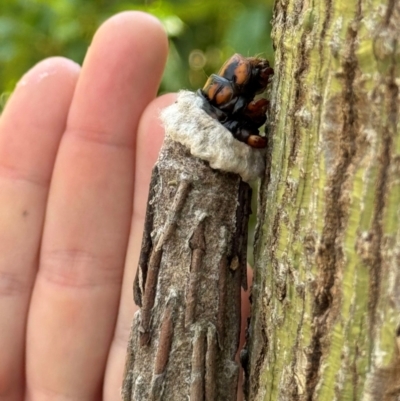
(326, 293)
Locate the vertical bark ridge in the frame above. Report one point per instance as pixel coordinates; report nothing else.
(198, 246)
(173, 216)
(163, 349)
(155, 258)
(197, 381)
(146, 247)
(149, 295)
(211, 365)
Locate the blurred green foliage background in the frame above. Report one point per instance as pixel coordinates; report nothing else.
(202, 34)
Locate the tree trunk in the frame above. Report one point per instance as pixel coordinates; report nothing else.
(326, 293)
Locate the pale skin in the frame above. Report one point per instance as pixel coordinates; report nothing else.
(77, 145)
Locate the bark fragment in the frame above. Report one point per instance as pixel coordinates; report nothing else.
(186, 334)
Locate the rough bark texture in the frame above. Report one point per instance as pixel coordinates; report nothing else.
(192, 266)
(326, 293)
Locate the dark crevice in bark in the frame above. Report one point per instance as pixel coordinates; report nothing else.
(245, 354)
(325, 25)
(398, 331)
(393, 90)
(255, 380)
(301, 70)
(245, 357)
(263, 194)
(146, 247)
(389, 11)
(329, 255)
(243, 213)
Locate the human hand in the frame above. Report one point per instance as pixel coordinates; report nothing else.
(76, 150)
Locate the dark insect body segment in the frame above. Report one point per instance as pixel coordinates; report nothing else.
(229, 97)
